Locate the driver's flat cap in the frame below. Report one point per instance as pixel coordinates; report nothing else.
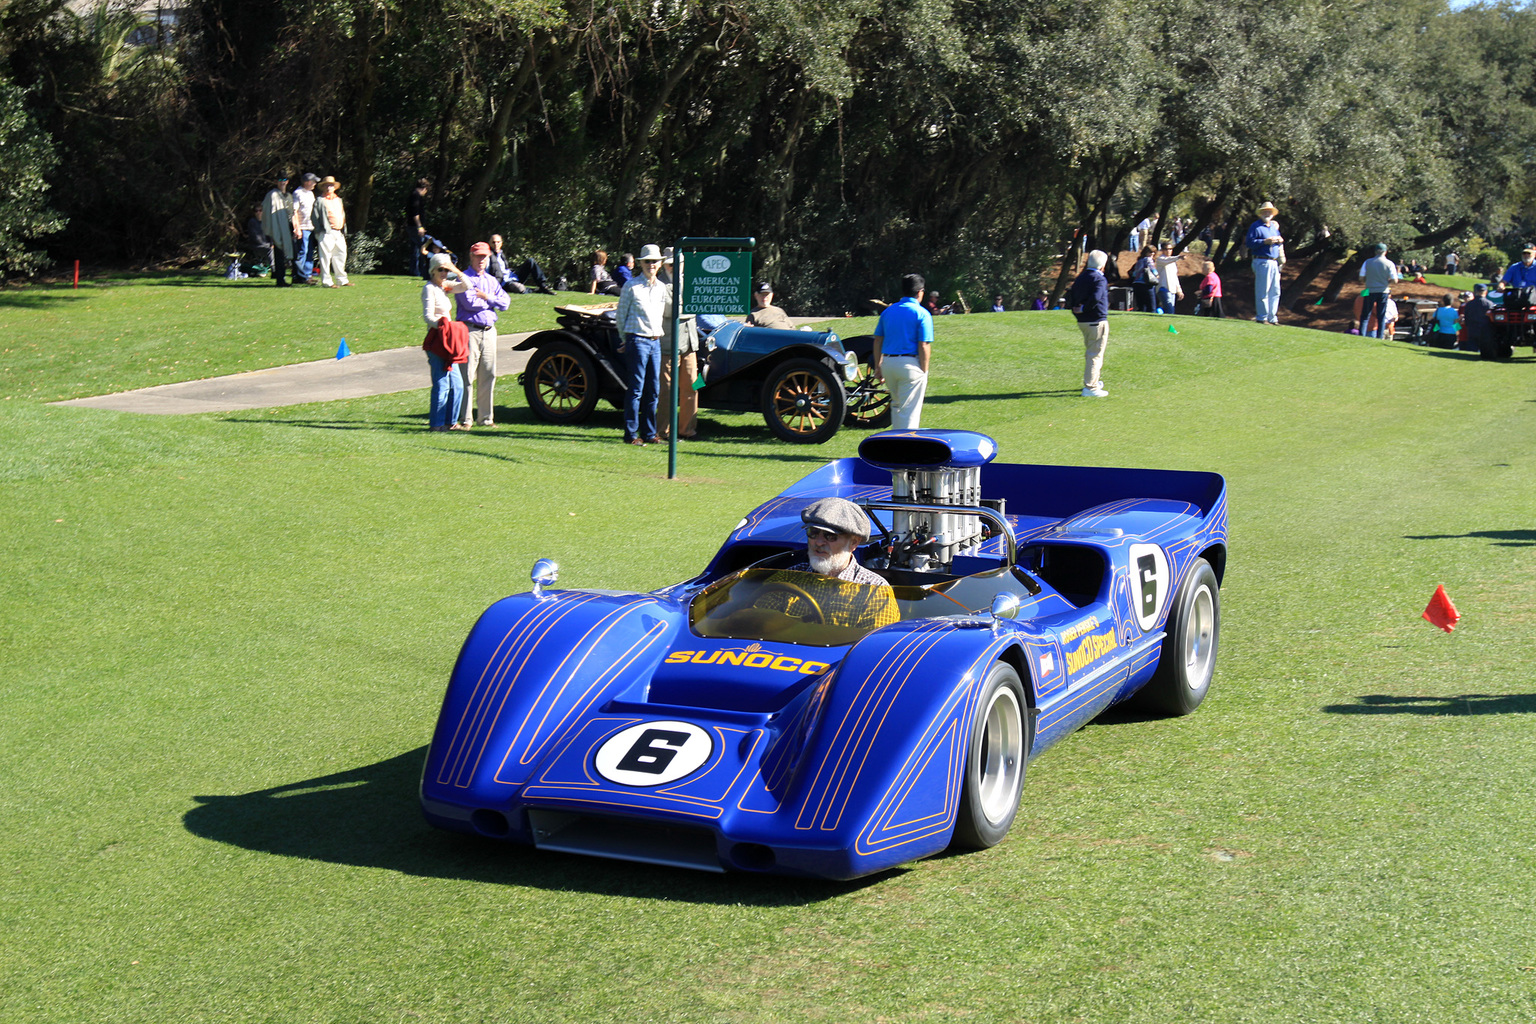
(838, 515)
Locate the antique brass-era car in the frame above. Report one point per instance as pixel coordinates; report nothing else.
(805, 383)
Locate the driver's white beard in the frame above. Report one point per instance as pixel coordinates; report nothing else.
(827, 566)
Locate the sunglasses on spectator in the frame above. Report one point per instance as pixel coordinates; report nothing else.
(817, 533)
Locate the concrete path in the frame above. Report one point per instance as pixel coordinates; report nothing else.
(325, 380)
(357, 376)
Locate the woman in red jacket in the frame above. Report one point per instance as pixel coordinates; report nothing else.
(446, 343)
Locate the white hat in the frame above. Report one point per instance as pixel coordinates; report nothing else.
(650, 252)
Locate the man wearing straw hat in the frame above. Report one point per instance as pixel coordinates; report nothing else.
(644, 305)
(1265, 245)
(330, 234)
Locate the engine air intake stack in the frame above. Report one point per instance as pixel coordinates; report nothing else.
(931, 470)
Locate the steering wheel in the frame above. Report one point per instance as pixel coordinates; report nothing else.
(796, 591)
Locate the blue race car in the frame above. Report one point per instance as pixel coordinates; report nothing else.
(760, 719)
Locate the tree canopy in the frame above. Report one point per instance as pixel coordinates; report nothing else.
(857, 139)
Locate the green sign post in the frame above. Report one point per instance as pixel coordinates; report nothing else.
(709, 275)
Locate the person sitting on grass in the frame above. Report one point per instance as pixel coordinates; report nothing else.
(1447, 324)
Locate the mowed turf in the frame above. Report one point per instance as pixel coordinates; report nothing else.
(225, 637)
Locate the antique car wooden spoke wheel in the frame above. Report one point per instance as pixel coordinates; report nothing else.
(560, 384)
(803, 401)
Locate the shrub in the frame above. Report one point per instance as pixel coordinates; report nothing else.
(363, 253)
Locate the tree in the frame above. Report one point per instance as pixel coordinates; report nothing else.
(25, 215)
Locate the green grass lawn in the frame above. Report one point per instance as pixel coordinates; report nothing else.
(225, 637)
(1461, 282)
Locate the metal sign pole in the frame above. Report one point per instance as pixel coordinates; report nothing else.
(689, 244)
(677, 322)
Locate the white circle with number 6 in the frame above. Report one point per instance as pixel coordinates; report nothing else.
(653, 753)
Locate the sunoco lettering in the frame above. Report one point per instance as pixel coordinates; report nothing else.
(1091, 649)
(749, 659)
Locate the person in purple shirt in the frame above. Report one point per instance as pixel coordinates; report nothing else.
(1264, 244)
(903, 343)
(478, 305)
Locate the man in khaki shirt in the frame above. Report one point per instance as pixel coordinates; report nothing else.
(765, 313)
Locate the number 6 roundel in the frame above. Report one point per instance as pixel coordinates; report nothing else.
(1149, 583)
(653, 753)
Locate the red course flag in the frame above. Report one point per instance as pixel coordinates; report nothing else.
(1441, 612)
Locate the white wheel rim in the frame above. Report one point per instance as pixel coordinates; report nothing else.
(1200, 639)
(1001, 764)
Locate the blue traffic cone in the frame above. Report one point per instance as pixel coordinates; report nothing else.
(343, 351)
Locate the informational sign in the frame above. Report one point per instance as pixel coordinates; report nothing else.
(717, 282)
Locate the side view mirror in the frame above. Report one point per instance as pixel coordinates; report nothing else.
(1004, 606)
(545, 573)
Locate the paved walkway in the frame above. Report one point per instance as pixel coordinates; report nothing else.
(357, 376)
(326, 380)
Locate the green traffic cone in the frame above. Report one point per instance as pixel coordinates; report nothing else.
(1172, 329)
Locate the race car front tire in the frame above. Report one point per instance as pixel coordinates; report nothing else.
(1188, 658)
(994, 762)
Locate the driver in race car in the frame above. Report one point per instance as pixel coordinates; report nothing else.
(834, 527)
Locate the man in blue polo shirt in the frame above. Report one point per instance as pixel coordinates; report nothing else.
(1523, 273)
(903, 340)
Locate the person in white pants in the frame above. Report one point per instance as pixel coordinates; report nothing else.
(330, 228)
(478, 306)
(903, 343)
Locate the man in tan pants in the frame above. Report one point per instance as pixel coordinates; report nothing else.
(1088, 298)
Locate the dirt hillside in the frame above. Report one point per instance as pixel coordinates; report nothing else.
(1237, 293)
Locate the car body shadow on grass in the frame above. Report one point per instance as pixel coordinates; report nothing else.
(1501, 538)
(950, 399)
(41, 298)
(370, 817)
(1460, 704)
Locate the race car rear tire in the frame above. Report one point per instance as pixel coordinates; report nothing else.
(1188, 659)
(561, 383)
(994, 762)
(803, 401)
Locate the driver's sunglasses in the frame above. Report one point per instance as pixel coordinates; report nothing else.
(817, 533)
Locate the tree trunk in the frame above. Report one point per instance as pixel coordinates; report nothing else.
(1348, 271)
(363, 155)
(444, 128)
(1291, 297)
(629, 176)
(1206, 219)
(509, 110)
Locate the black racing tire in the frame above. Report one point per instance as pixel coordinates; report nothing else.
(995, 762)
(1188, 660)
(869, 409)
(803, 401)
(560, 383)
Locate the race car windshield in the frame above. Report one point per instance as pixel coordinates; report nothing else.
(791, 607)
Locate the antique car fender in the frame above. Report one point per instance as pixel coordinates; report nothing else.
(602, 359)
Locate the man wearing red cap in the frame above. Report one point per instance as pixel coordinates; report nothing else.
(478, 305)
